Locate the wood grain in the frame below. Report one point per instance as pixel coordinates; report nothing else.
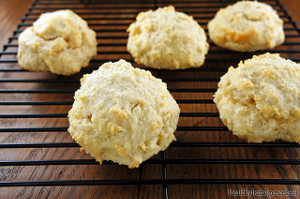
(11, 13)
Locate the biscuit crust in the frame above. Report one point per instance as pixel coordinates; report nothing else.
(260, 99)
(60, 42)
(247, 26)
(123, 114)
(166, 39)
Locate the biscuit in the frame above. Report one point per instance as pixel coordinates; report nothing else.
(166, 39)
(260, 99)
(60, 42)
(247, 26)
(123, 114)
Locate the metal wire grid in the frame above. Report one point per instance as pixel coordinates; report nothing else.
(108, 30)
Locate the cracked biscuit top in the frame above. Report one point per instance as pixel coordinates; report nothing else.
(260, 99)
(166, 39)
(247, 26)
(60, 42)
(123, 114)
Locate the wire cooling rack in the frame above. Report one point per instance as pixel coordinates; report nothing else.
(38, 157)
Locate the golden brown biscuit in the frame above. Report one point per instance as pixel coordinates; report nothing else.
(60, 42)
(166, 39)
(247, 26)
(123, 114)
(260, 99)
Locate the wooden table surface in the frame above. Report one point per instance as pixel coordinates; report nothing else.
(11, 13)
